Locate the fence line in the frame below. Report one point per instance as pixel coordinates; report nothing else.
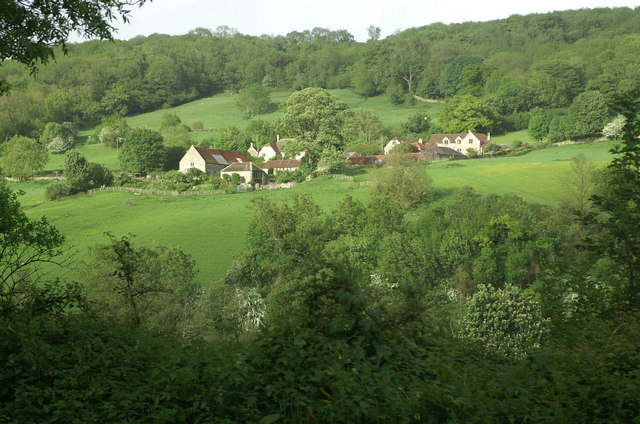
(343, 177)
(174, 193)
(153, 192)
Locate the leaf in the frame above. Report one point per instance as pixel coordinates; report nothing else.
(270, 419)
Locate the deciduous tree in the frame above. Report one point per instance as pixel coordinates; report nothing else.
(142, 151)
(587, 115)
(22, 157)
(254, 100)
(32, 29)
(465, 112)
(24, 244)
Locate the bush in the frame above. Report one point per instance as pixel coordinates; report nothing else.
(57, 190)
(98, 175)
(197, 126)
(506, 321)
(403, 183)
(235, 179)
(289, 176)
(123, 180)
(60, 145)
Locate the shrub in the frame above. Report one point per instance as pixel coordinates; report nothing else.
(98, 175)
(506, 321)
(57, 190)
(60, 145)
(235, 179)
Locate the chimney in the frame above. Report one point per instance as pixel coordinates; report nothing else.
(277, 137)
(488, 136)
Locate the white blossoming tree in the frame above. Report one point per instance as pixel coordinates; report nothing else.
(505, 320)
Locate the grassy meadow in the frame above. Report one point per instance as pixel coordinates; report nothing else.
(220, 111)
(212, 228)
(537, 176)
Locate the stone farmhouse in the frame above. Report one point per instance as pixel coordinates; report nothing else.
(210, 161)
(462, 142)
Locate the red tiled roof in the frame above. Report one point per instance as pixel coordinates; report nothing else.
(281, 164)
(418, 147)
(362, 160)
(414, 156)
(214, 156)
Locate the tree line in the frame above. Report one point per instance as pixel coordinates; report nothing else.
(514, 66)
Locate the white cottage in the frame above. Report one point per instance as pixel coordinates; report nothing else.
(210, 161)
(462, 142)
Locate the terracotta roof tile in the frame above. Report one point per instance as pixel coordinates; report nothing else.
(281, 164)
(221, 157)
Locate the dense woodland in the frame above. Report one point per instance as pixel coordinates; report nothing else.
(417, 305)
(512, 66)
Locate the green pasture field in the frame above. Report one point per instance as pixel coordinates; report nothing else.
(512, 137)
(537, 176)
(213, 227)
(210, 228)
(220, 110)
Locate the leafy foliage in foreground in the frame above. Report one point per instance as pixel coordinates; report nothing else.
(468, 308)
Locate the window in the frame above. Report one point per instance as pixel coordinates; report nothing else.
(459, 140)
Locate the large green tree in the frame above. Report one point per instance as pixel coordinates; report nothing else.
(316, 118)
(314, 115)
(22, 157)
(254, 100)
(31, 29)
(619, 207)
(142, 151)
(587, 115)
(465, 112)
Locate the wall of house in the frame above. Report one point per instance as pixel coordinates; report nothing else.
(390, 145)
(214, 169)
(277, 170)
(245, 176)
(268, 153)
(463, 144)
(192, 159)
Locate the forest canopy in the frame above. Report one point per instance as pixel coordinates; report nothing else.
(513, 65)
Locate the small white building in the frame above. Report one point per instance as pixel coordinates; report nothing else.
(272, 150)
(393, 143)
(462, 142)
(210, 161)
(248, 172)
